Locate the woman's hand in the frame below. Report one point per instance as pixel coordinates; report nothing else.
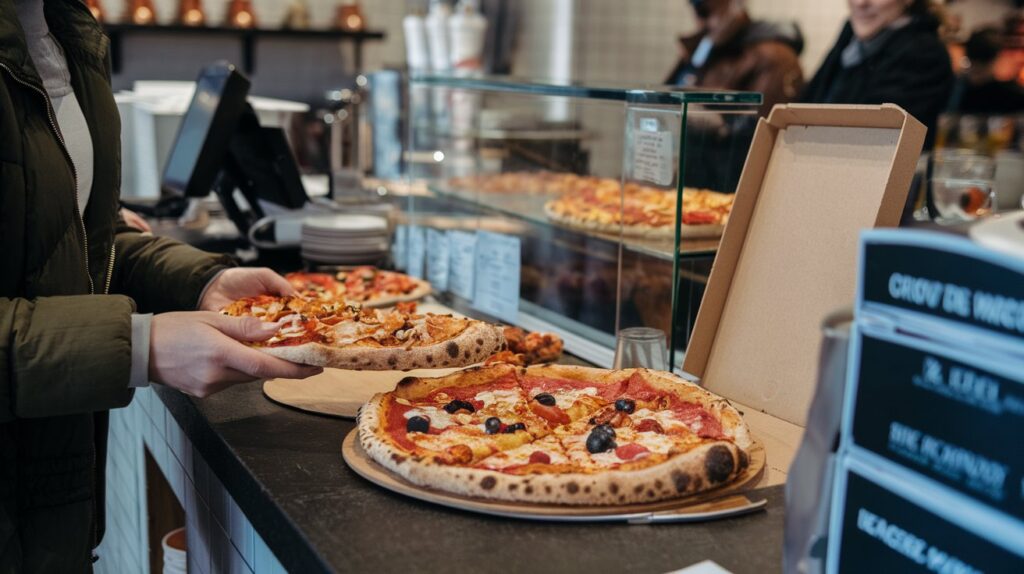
(199, 352)
(135, 220)
(241, 282)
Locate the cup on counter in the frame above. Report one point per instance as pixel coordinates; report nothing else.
(641, 347)
(962, 185)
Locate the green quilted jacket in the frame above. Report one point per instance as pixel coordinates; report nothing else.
(68, 285)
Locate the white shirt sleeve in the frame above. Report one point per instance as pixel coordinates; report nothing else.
(140, 350)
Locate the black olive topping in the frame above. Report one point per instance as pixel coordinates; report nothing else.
(417, 424)
(457, 405)
(492, 425)
(605, 429)
(515, 427)
(546, 399)
(600, 442)
(625, 405)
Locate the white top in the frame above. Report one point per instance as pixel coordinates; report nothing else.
(49, 60)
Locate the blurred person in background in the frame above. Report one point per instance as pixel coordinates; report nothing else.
(977, 89)
(889, 51)
(734, 52)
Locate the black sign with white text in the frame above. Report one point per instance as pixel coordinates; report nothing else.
(947, 285)
(883, 532)
(954, 422)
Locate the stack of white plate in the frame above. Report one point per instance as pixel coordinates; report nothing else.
(175, 552)
(344, 239)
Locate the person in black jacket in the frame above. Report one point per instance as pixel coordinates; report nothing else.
(977, 90)
(888, 52)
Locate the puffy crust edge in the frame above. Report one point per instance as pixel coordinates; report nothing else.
(475, 344)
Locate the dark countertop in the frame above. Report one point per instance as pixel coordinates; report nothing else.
(285, 470)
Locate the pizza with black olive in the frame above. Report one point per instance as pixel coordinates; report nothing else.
(557, 434)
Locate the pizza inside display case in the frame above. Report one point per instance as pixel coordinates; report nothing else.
(577, 209)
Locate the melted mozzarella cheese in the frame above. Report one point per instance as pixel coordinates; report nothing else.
(439, 418)
(654, 442)
(521, 455)
(565, 398)
(348, 332)
(664, 418)
(501, 398)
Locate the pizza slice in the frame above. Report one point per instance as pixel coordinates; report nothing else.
(542, 456)
(562, 399)
(463, 418)
(319, 286)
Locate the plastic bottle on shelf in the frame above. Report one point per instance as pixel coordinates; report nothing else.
(467, 30)
(437, 34)
(417, 54)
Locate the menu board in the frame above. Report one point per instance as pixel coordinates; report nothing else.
(400, 249)
(437, 259)
(497, 268)
(416, 251)
(881, 531)
(946, 415)
(462, 263)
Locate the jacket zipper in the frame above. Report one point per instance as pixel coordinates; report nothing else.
(74, 173)
(110, 269)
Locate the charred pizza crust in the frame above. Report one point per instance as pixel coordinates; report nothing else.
(474, 344)
(706, 466)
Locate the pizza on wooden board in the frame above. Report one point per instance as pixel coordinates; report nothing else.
(342, 335)
(366, 285)
(642, 211)
(557, 434)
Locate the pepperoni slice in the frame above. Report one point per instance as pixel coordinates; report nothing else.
(699, 217)
(552, 414)
(631, 451)
(649, 425)
(538, 457)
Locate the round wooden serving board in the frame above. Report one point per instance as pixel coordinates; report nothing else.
(699, 507)
(339, 392)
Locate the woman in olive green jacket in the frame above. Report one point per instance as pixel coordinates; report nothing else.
(70, 284)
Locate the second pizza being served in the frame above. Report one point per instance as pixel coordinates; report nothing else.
(367, 285)
(557, 434)
(338, 334)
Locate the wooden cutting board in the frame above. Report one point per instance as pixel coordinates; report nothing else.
(339, 392)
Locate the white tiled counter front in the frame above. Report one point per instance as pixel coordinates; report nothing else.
(220, 537)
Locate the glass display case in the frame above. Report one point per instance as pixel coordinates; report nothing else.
(557, 206)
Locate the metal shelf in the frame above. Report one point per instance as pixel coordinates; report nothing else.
(247, 36)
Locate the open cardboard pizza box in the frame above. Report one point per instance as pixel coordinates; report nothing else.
(815, 177)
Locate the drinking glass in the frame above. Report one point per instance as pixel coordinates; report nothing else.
(641, 347)
(962, 185)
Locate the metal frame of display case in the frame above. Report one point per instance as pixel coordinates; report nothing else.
(525, 208)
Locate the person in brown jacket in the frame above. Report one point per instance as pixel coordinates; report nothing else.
(733, 52)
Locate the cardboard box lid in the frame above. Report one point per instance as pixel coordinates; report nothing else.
(816, 175)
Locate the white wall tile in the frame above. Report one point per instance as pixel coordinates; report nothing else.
(240, 532)
(199, 533)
